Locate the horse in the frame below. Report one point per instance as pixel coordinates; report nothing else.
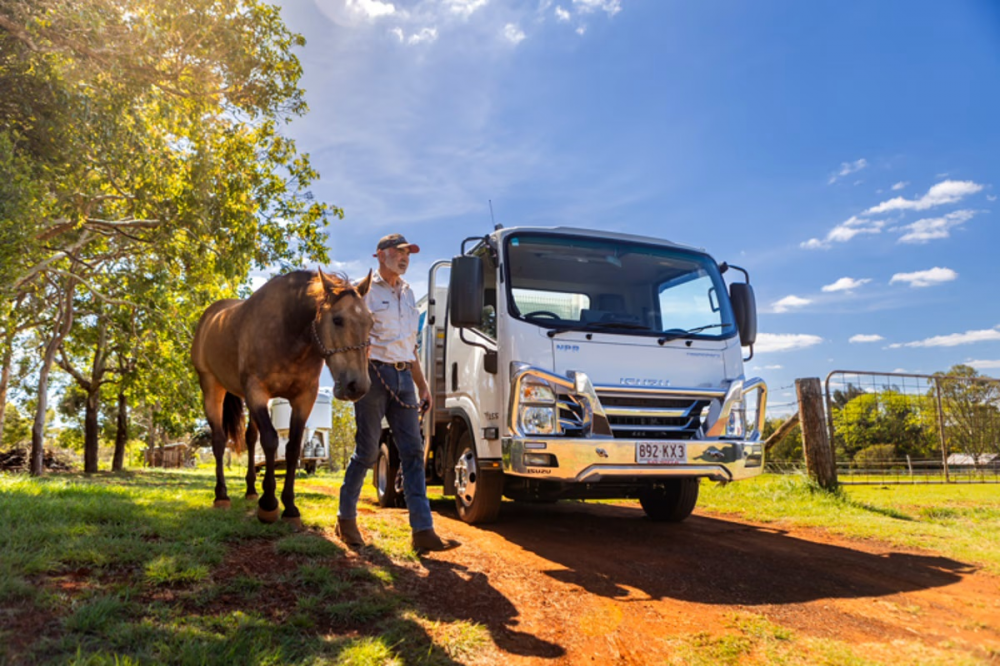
(274, 345)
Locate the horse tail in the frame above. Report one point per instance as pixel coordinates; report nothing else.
(232, 422)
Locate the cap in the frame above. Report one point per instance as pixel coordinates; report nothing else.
(396, 240)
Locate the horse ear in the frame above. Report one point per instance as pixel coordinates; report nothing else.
(365, 284)
(322, 275)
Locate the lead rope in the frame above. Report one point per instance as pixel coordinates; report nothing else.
(392, 393)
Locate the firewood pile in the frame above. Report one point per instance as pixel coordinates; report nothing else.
(18, 460)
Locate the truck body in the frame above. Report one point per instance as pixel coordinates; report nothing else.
(574, 363)
(315, 438)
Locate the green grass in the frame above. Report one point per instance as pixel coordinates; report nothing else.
(959, 521)
(138, 568)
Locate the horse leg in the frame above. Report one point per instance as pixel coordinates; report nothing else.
(214, 394)
(251, 463)
(267, 505)
(292, 450)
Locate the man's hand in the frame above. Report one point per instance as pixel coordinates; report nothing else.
(425, 397)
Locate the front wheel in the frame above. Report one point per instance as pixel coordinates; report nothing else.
(670, 501)
(477, 493)
(388, 479)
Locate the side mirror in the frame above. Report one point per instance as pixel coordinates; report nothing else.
(745, 311)
(465, 292)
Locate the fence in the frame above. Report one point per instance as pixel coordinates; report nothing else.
(907, 428)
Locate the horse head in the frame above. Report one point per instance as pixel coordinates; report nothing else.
(342, 329)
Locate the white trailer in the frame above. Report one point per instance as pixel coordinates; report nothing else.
(315, 438)
(574, 363)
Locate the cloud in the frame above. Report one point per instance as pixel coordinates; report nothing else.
(779, 342)
(845, 284)
(773, 367)
(465, 8)
(513, 33)
(612, 7)
(926, 278)
(900, 185)
(945, 192)
(933, 228)
(844, 232)
(991, 197)
(954, 339)
(862, 337)
(847, 168)
(424, 35)
(581, 30)
(562, 14)
(370, 9)
(984, 365)
(789, 302)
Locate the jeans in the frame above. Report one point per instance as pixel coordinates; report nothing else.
(405, 425)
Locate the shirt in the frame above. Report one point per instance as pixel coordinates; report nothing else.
(394, 335)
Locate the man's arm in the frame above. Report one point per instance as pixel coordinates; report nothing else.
(418, 378)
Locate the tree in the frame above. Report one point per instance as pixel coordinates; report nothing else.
(887, 417)
(971, 405)
(789, 449)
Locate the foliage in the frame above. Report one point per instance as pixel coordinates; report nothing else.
(886, 417)
(876, 455)
(17, 427)
(971, 412)
(789, 449)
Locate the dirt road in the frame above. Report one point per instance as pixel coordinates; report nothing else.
(582, 583)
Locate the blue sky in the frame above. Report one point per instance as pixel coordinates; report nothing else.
(845, 153)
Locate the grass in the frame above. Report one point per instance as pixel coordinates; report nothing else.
(138, 568)
(959, 521)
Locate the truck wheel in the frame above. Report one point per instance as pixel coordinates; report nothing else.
(388, 486)
(670, 501)
(477, 494)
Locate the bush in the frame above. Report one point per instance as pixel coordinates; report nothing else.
(877, 455)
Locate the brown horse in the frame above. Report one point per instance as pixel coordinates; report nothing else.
(274, 345)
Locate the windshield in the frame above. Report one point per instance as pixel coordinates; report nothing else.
(576, 283)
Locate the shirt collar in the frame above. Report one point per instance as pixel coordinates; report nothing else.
(377, 277)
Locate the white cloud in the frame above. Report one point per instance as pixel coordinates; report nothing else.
(984, 365)
(612, 7)
(991, 197)
(779, 342)
(862, 337)
(846, 284)
(844, 232)
(562, 14)
(513, 33)
(581, 30)
(933, 228)
(789, 302)
(773, 367)
(424, 35)
(900, 185)
(465, 8)
(847, 168)
(945, 192)
(926, 278)
(370, 9)
(954, 339)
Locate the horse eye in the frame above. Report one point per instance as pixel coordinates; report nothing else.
(338, 321)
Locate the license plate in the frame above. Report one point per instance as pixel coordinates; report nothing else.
(660, 453)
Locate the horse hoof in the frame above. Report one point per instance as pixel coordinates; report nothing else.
(251, 498)
(221, 504)
(296, 523)
(267, 516)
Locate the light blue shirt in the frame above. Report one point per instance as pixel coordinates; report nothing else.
(394, 335)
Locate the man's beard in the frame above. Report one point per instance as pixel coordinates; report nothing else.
(399, 268)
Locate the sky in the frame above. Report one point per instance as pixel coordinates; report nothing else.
(844, 153)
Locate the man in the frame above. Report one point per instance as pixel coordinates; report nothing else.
(393, 369)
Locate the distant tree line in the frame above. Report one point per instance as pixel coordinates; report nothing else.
(143, 174)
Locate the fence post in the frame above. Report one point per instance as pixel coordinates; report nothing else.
(944, 445)
(820, 461)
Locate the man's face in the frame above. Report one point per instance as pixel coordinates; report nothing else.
(396, 259)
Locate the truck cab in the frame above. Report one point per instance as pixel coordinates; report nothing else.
(574, 363)
(315, 438)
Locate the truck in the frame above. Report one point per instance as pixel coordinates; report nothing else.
(315, 438)
(573, 363)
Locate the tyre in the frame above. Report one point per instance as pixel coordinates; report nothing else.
(477, 494)
(670, 501)
(388, 479)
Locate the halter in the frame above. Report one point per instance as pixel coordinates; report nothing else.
(327, 353)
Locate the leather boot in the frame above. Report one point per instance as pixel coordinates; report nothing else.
(348, 532)
(426, 541)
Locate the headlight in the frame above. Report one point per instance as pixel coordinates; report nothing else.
(537, 420)
(737, 424)
(532, 392)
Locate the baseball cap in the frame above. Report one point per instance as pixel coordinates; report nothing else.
(396, 240)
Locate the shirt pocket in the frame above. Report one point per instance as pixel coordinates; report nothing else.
(386, 326)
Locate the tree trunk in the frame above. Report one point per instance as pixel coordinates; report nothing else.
(121, 432)
(90, 434)
(8, 361)
(820, 461)
(62, 325)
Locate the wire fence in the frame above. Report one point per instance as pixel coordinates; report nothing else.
(906, 428)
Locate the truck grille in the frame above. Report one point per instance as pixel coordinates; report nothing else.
(643, 413)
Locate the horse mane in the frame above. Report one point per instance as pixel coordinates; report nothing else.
(320, 289)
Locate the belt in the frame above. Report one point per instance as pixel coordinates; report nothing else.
(398, 365)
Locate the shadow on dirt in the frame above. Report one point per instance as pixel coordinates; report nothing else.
(610, 550)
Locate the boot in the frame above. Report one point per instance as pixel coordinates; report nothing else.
(347, 531)
(426, 541)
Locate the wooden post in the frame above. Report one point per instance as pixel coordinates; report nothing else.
(820, 461)
(781, 432)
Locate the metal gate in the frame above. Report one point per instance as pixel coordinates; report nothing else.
(892, 427)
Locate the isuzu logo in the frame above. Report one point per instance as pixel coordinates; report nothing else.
(569, 348)
(640, 381)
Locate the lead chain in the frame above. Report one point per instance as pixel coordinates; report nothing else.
(392, 393)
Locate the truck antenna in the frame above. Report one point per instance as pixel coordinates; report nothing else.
(496, 227)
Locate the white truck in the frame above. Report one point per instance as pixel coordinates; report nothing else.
(574, 363)
(315, 438)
